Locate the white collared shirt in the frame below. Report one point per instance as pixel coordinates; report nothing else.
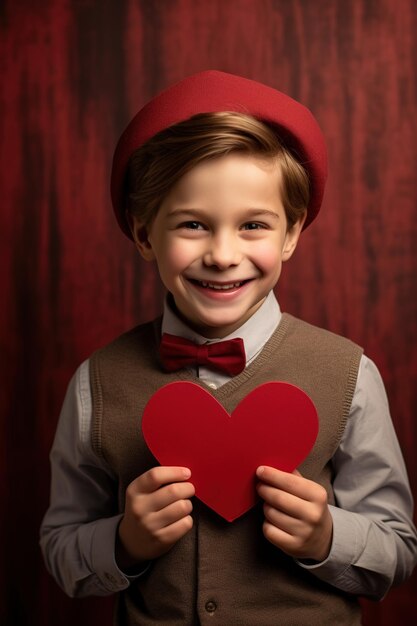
(255, 332)
(374, 540)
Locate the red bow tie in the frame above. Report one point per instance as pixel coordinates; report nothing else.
(227, 356)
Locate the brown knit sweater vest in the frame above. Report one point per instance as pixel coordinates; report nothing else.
(220, 573)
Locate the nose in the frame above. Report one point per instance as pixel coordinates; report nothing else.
(223, 251)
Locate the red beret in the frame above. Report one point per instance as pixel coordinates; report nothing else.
(212, 91)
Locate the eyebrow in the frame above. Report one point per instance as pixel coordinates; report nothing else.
(175, 212)
(251, 213)
(260, 212)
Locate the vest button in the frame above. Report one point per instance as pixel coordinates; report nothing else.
(211, 606)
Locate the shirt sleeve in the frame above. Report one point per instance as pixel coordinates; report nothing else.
(374, 539)
(79, 529)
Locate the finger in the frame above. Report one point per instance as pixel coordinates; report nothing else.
(170, 514)
(169, 494)
(172, 533)
(282, 501)
(158, 476)
(287, 524)
(279, 538)
(292, 483)
(300, 508)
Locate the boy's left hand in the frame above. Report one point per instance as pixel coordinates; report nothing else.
(297, 516)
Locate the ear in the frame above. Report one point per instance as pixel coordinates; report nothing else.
(140, 237)
(291, 237)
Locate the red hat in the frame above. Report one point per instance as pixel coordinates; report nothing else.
(213, 91)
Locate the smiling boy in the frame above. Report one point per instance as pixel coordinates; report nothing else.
(214, 180)
(219, 239)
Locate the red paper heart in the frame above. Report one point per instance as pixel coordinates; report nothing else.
(276, 424)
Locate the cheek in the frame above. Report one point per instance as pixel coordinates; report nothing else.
(177, 256)
(268, 257)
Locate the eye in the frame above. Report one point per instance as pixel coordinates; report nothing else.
(253, 226)
(192, 225)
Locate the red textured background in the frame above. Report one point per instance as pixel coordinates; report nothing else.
(73, 73)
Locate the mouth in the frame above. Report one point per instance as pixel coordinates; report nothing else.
(218, 286)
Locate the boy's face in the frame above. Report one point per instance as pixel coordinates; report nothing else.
(219, 239)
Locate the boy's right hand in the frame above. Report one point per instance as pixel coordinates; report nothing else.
(157, 514)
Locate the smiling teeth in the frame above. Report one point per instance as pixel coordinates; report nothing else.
(220, 287)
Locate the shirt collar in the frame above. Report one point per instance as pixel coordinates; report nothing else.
(255, 332)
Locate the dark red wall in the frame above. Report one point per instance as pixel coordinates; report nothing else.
(73, 73)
